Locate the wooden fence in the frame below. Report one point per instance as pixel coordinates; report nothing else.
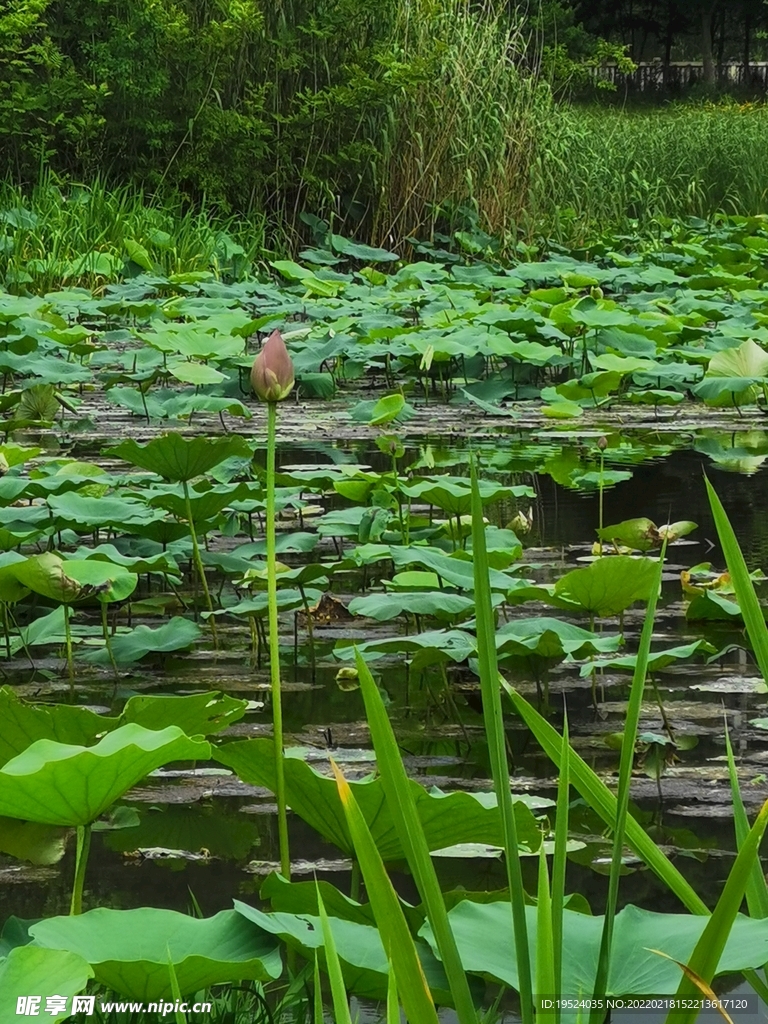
(678, 76)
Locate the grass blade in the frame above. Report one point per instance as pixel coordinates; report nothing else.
(494, 730)
(317, 992)
(752, 613)
(341, 1012)
(390, 920)
(701, 985)
(626, 762)
(559, 864)
(603, 801)
(706, 956)
(393, 1007)
(402, 806)
(545, 951)
(757, 890)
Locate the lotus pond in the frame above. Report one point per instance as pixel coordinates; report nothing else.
(481, 469)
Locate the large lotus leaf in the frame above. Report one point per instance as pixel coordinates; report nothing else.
(364, 963)
(84, 513)
(640, 534)
(205, 504)
(485, 939)
(437, 604)
(551, 639)
(141, 564)
(176, 635)
(64, 784)
(110, 582)
(609, 585)
(197, 714)
(713, 606)
(29, 840)
(180, 827)
(656, 661)
(453, 495)
(747, 360)
(28, 970)
(431, 648)
(177, 458)
(447, 818)
(453, 570)
(130, 950)
(11, 589)
(46, 575)
(21, 724)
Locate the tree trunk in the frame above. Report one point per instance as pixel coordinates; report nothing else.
(707, 10)
(747, 41)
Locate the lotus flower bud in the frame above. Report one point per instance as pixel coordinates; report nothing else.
(272, 372)
(602, 443)
(596, 292)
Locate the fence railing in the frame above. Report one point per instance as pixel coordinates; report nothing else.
(678, 76)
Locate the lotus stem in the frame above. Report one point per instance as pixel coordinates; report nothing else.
(107, 641)
(274, 645)
(81, 862)
(199, 565)
(68, 635)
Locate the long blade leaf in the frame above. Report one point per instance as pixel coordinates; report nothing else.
(603, 801)
(402, 806)
(390, 920)
(494, 731)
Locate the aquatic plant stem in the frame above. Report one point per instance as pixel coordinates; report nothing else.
(497, 747)
(68, 635)
(81, 862)
(199, 564)
(274, 645)
(634, 709)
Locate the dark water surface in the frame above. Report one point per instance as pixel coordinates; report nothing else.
(201, 839)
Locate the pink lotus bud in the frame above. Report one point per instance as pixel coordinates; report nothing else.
(272, 372)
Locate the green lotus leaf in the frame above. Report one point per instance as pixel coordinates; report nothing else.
(176, 635)
(28, 970)
(196, 714)
(177, 458)
(551, 639)
(80, 512)
(22, 723)
(109, 582)
(66, 784)
(130, 950)
(609, 585)
(485, 940)
(388, 606)
(364, 963)
(657, 661)
(452, 494)
(640, 534)
(447, 818)
(46, 575)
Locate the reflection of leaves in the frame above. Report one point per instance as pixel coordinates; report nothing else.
(191, 829)
(29, 840)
